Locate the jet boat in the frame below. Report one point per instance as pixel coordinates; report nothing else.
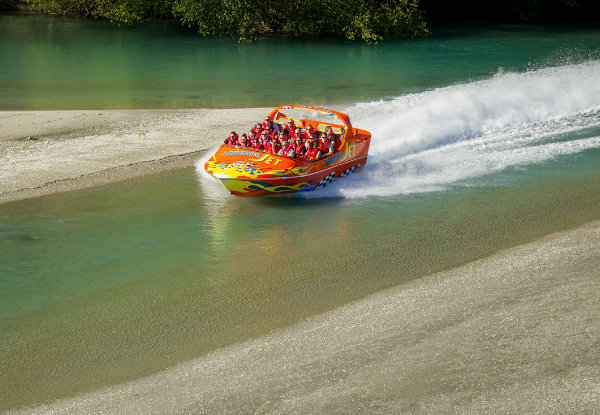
(249, 172)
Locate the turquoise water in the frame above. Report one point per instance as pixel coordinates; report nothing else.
(62, 63)
(482, 140)
(122, 280)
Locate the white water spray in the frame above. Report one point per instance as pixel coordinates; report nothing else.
(435, 139)
(450, 136)
(211, 189)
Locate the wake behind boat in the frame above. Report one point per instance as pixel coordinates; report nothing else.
(291, 154)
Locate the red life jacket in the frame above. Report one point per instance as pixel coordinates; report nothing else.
(326, 144)
(231, 141)
(312, 153)
(289, 148)
(300, 149)
(268, 147)
(323, 145)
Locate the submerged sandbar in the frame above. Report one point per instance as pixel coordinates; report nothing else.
(515, 332)
(45, 152)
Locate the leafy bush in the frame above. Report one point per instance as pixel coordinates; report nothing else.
(126, 11)
(370, 20)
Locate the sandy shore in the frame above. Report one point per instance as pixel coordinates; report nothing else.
(513, 333)
(43, 152)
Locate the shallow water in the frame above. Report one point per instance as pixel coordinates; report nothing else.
(63, 63)
(107, 284)
(512, 333)
(120, 281)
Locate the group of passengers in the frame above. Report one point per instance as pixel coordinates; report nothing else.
(286, 140)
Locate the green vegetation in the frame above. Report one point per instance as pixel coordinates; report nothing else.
(369, 20)
(353, 19)
(126, 11)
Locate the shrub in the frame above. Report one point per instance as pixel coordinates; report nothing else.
(370, 20)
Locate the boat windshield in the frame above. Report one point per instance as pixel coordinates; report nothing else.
(319, 117)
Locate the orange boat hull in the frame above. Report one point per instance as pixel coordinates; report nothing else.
(252, 173)
(248, 172)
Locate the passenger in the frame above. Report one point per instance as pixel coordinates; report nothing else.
(263, 141)
(313, 152)
(255, 142)
(232, 139)
(269, 123)
(322, 138)
(270, 131)
(283, 144)
(298, 133)
(329, 131)
(290, 127)
(327, 145)
(290, 150)
(331, 135)
(276, 140)
(310, 137)
(299, 147)
(242, 142)
(266, 121)
(273, 146)
(281, 137)
(269, 136)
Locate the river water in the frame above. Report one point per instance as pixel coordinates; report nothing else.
(64, 63)
(483, 139)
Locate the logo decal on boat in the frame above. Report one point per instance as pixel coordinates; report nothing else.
(349, 151)
(333, 159)
(241, 153)
(239, 166)
(268, 159)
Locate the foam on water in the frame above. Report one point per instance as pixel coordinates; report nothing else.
(435, 139)
(450, 136)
